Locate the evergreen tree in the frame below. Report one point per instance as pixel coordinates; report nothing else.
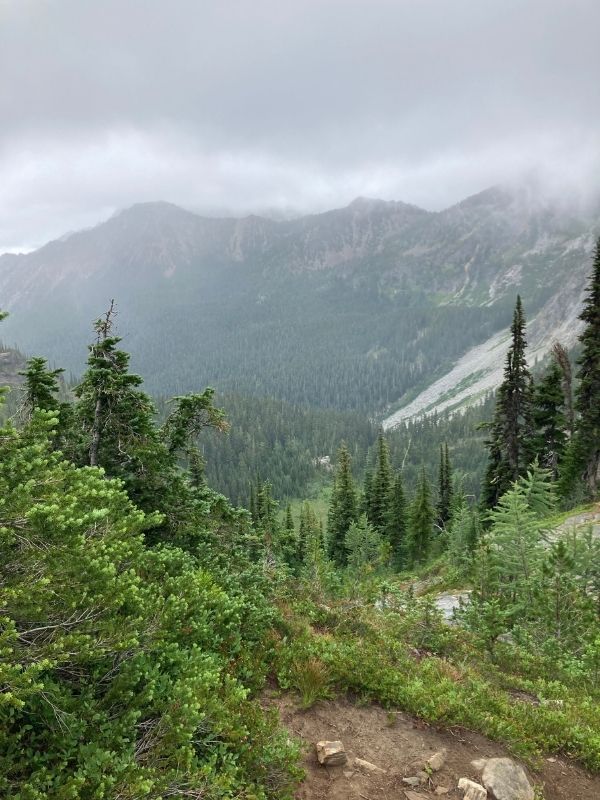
(364, 546)
(41, 386)
(445, 490)
(311, 539)
(41, 390)
(397, 524)
(465, 532)
(584, 454)
(549, 420)
(268, 525)
(116, 431)
(510, 444)
(343, 507)
(289, 520)
(561, 357)
(379, 501)
(421, 522)
(116, 417)
(366, 499)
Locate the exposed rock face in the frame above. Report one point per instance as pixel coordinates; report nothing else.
(331, 754)
(472, 790)
(504, 779)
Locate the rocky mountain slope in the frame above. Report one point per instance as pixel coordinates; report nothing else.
(364, 306)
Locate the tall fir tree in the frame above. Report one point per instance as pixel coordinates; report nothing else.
(511, 440)
(421, 521)
(42, 390)
(561, 356)
(310, 538)
(397, 523)
(366, 499)
(41, 386)
(343, 507)
(117, 418)
(550, 420)
(445, 491)
(584, 456)
(379, 505)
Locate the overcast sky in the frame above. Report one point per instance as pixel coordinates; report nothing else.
(287, 104)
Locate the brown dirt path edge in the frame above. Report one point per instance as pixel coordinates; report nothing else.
(400, 744)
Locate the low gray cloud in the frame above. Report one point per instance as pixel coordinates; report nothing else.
(287, 104)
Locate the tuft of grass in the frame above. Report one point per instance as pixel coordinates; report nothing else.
(312, 679)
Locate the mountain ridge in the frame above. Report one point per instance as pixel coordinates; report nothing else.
(383, 296)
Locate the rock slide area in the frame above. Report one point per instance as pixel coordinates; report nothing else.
(399, 748)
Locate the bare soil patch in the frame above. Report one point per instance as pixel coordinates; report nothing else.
(401, 744)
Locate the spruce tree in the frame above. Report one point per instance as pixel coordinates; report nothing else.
(550, 420)
(585, 451)
(421, 521)
(41, 386)
(343, 507)
(311, 538)
(378, 507)
(364, 545)
(561, 357)
(396, 528)
(41, 390)
(444, 504)
(289, 520)
(116, 417)
(510, 443)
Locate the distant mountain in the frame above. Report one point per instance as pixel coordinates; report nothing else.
(360, 307)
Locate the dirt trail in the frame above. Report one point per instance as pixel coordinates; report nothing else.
(591, 517)
(400, 744)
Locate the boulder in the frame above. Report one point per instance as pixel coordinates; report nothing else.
(331, 754)
(472, 790)
(505, 779)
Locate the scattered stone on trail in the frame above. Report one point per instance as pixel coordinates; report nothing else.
(441, 790)
(348, 773)
(472, 790)
(331, 754)
(366, 765)
(410, 795)
(414, 780)
(504, 779)
(436, 761)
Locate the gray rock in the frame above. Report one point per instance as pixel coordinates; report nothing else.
(412, 781)
(367, 766)
(331, 754)
(472, 790)
(506, 780)
(436, 761)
